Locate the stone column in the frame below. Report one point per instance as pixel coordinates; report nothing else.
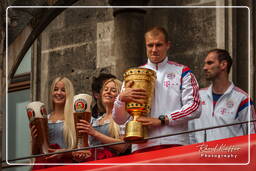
(128, 35)
(2, 72)
(253, 39)
(242, 57)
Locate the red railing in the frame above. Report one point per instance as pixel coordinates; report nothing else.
(234, 154)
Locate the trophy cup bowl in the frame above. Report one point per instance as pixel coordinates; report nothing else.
(143, 78)
(37, 116)
(82, 110)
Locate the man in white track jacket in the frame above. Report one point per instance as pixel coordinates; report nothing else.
(222, 102)
(176, 98)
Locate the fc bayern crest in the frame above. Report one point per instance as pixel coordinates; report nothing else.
(31, 114)
(43, 111)
(80, 105)
(170, 76)
(230, 104)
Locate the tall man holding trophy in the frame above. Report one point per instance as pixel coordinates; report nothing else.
(175, 99)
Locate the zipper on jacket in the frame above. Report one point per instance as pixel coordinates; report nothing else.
(214, 106)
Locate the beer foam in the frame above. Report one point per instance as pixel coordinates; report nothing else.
(36, 110)
(82, 103)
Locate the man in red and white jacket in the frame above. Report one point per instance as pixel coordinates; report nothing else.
(222, 102)
(176, 98)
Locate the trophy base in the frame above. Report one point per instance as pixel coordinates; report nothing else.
(134, 132)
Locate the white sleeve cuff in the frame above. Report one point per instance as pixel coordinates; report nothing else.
(119, 102)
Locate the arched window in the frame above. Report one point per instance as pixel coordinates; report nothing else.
(19, 92)
(21, 78)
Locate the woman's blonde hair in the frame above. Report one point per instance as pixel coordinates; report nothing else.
(114, 129)
(69, 126)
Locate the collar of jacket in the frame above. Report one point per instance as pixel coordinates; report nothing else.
(158, 65)
(228, 91)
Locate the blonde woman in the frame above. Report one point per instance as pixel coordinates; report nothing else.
(61, 128)
(104, 130)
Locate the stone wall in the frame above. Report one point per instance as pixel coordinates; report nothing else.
(82, 42)
(2, 73)
(192, 31)
(78, 44)
(2, 83)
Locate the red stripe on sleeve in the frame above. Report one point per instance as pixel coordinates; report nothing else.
(185, 69)
(193, 107)
(244, 102)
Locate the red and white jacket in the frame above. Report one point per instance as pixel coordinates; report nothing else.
(176, 96)
(232, 107)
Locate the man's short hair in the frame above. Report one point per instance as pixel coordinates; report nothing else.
(98, 82)
(223, 55)
(154, 31)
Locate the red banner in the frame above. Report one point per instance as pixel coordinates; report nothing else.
(234, 154)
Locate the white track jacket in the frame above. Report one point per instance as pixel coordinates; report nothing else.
(232, 107)
(176, 96)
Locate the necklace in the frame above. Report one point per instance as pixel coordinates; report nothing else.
(54, 118)
(104, 119)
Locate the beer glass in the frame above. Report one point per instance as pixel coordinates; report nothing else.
(82, 110)
(37, 116)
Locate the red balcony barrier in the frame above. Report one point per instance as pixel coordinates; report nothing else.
(232, 154)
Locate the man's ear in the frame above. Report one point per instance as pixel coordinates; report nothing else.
(169, 45)
(224, 65)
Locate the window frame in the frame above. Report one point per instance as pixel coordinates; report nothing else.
(20, 82)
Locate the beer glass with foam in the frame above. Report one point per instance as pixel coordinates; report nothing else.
(82, 110)
(37, 116)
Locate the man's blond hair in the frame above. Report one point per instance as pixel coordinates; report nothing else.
(155, 31)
